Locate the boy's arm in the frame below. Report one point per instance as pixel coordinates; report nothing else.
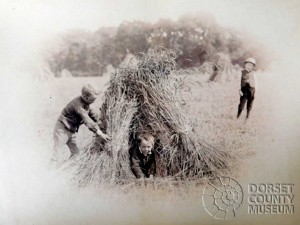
(152, 169)
(87, 120)
(240, 90)
(94, 115)
(94, 127)
(253, 80)
(136, 165)
(96, 118)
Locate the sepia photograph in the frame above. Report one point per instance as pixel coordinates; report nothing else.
(149, 112)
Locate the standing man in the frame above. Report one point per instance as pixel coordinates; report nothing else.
(76, 113)
(248, 86)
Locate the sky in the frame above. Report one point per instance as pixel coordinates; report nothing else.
(59, 15)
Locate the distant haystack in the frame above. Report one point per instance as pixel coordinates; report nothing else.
(219, 68)
(129, 61)
(43, 73)
(65, 73)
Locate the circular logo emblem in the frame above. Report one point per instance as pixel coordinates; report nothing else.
(222, 197)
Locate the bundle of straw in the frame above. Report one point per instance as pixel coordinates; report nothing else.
(148, 97)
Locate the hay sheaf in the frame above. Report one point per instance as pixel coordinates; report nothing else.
(149, 97)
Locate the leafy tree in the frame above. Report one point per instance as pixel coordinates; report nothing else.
(197, 36)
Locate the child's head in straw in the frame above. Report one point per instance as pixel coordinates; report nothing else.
(146, 143)
(89, 93)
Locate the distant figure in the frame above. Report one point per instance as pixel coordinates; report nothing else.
(248, 86)
(142, 156)
(72, 117)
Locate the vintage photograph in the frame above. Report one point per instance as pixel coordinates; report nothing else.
(149, 112)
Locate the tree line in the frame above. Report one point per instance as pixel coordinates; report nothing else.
(197, 36)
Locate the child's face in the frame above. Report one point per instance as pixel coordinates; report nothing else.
(146, 148)
(89, 98)
(249, 66)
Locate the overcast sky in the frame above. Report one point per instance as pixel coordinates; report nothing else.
(38, 17)
(57, 15)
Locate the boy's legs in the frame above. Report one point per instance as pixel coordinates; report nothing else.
(243, 100)
(250, 99)
(61, 137)
(72, 144)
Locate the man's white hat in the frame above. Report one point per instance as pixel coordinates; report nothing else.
(250, 60)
